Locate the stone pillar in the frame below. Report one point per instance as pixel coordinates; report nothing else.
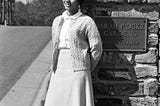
(0, 11)
(3, 11)
(128, 78)
(6, 11)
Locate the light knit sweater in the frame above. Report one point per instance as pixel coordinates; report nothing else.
(63, 38)
(85, 42)
(64, 35)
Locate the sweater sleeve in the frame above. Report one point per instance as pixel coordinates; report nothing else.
(95, 43)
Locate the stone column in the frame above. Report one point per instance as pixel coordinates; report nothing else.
(3, 11)
(128, 78)
(0, 11)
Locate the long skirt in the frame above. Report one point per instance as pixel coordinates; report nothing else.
(67, 87)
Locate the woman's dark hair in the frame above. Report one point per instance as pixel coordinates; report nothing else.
(81, 1)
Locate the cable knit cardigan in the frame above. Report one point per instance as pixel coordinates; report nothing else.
(85, 42)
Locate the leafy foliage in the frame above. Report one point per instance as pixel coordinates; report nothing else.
(37, 13)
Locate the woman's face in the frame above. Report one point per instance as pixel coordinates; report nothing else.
(70, 5)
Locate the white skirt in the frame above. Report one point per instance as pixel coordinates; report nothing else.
(69, 88)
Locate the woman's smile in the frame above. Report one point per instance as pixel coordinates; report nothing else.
(71, 5)
(67, 4)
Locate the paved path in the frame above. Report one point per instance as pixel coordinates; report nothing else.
(19, 46)
(25, 89)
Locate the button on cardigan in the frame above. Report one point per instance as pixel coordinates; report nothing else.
(85, 42)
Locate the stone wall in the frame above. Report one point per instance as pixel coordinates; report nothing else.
(128, 78)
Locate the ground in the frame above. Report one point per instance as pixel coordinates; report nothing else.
(19, 46)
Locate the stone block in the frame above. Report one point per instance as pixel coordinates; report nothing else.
(140, 89)
(143, 101)
(116, 1)
(116, 74)
(116, 59)
(152, 40)
(147, 87)
(126, 10)
(130, 88)
(125, 89)
(153, 27)
(159, 69)
(145, 12)
(116, 89)
(159, 48)
(121, 14)
(108, 102)
(145, 70)
(158, 101)
(151, 87)
(149, 57)
(137, 1)
(158, 21)
(153, 1)
(159, 89)
(153, 15)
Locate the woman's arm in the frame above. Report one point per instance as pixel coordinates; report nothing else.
(95, 43)
(54, 48)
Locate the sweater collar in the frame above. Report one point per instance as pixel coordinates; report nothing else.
(72, 17)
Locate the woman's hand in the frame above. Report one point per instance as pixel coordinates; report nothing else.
(51, 69)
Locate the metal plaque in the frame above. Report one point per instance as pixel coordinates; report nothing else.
(122, 33)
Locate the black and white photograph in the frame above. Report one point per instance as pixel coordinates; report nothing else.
(79, 53)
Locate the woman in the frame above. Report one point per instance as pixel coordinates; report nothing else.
(77, 48)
